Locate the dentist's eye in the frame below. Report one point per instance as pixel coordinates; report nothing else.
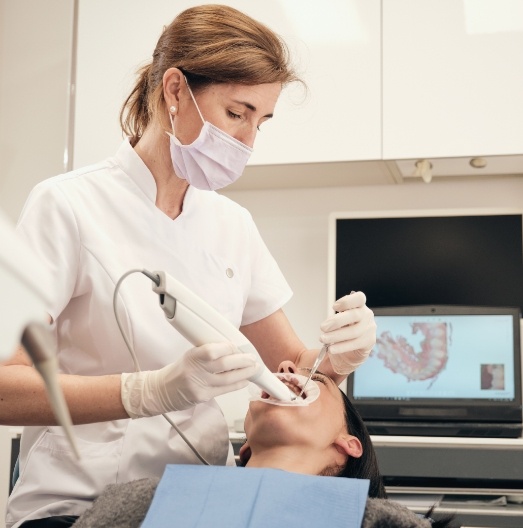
(233, 115)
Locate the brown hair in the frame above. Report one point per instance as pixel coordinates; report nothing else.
(210, 44)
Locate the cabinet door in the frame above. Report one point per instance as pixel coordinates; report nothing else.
(335, 45)
(452, 78)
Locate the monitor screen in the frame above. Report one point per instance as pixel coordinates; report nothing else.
(462, 361)
(440, 357)
(422, 258)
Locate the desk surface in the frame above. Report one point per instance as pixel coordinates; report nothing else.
(443, 441)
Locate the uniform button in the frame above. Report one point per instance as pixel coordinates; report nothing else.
(229, 273)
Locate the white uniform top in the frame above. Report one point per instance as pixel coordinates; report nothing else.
(89, 227)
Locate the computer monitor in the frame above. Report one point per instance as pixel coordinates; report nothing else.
(442, 371)
(406, 258)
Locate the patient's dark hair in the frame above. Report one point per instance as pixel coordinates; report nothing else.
(366, 466)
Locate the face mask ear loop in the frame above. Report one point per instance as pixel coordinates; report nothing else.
(172, 123)
(194, 100)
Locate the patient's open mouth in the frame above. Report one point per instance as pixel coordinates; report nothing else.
(293, 384)
(295, 387)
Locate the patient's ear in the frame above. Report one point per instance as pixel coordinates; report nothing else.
(349, 445)
(245, 453)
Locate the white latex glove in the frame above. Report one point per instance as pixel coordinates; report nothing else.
(201, 374)
(350, 333)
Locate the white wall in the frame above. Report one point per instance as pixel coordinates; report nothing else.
(35, 57)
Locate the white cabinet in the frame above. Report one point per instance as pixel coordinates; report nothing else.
(335, 44)
(387, 80)
(337, 47)
(452, 78)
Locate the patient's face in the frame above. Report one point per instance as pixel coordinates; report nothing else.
(315, 425)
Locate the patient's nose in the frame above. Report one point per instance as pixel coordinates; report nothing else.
(287, 367)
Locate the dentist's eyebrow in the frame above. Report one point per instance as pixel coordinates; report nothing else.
(251, 107)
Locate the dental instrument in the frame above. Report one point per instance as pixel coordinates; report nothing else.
(200, 324)
(24, 301)
(319, 359)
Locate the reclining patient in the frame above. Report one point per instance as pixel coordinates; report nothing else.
(326, 438)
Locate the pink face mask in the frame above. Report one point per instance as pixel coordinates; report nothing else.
(213, 160)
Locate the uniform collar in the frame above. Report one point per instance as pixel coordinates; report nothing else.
(135, 168)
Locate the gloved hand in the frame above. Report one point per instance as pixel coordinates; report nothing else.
(201, 374)
(350, 333)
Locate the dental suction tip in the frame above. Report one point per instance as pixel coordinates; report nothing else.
(37, 342)
(48, 370)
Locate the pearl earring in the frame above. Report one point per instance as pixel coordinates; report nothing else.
(172, 109)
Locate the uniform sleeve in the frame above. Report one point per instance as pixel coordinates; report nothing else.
(48, 225)
(269, 290)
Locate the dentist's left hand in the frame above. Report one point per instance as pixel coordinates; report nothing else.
(201, 374)
(350, 333)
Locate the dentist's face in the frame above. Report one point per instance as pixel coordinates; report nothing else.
(237, 109)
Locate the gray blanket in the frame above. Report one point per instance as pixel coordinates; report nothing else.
(125, 506)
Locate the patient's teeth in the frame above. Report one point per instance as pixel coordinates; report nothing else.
(295, 383)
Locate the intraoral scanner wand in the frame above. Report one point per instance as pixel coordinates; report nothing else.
(200, 323)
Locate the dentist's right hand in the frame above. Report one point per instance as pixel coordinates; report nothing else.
(201, 374)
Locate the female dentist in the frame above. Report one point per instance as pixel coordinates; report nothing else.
(191, 121)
